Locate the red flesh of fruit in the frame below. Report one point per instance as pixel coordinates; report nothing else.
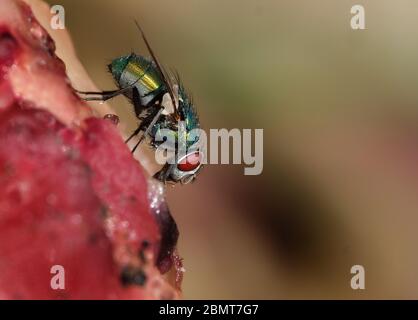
(71, 193)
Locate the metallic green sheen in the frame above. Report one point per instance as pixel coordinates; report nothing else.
(118, 65)
(187, 110)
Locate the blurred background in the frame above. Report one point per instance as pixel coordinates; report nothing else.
(339, 113)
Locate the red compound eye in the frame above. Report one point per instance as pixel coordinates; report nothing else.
(190, 163)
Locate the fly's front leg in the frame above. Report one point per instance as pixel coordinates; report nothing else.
(147, 122)
(106, 95)
(102, 95)
(135, 133)
(149, 127)
(138, 107)
(163, 174)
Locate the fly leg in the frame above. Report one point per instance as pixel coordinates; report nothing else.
(103, 95)
(106, 95)
(149, 126)
(136, 99)
(135, 133)
(163, 174)
(147, 123)
(139, 108)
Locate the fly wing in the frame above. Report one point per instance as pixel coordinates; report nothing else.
(166, 78)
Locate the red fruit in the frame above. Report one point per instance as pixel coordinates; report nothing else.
(71, 193)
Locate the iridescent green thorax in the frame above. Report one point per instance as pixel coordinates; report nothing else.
(117, 66)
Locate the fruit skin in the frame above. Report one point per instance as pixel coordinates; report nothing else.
(71, 194)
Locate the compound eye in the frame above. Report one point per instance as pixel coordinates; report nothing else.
(190, 163)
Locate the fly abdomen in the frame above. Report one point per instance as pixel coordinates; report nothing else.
(141, 71)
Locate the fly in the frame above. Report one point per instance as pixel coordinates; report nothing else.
(160, 101)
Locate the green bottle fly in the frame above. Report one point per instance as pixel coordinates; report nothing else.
(160, 102)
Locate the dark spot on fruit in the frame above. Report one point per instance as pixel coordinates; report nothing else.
(145, 245)
(169, 237)
(104, 212)
(132, 276)
(8, 49)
